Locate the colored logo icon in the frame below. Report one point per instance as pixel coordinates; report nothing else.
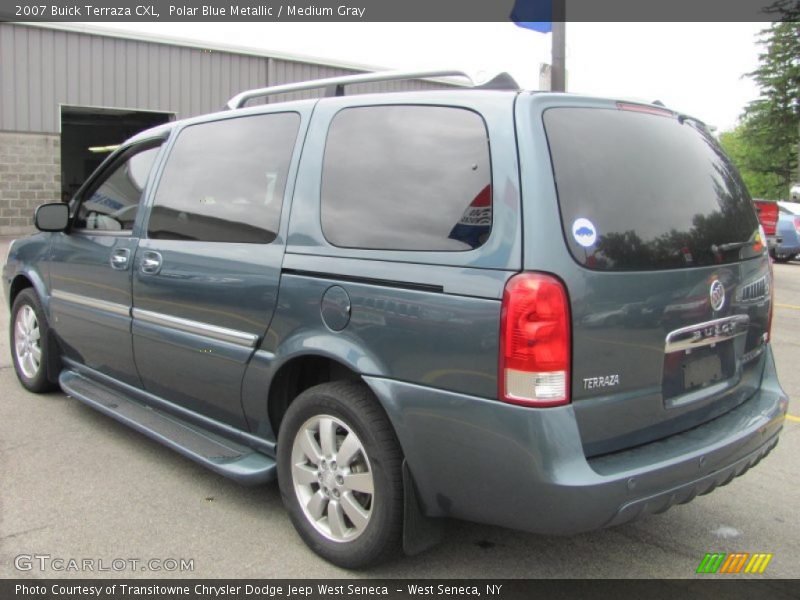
(584, 232)
(734, 563)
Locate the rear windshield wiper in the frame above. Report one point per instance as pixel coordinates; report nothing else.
(730, 246)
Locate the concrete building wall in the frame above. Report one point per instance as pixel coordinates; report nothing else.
(30, 175)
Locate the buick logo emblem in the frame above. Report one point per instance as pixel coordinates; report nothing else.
(717, 295)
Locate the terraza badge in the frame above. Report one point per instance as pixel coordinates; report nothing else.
(589, 383)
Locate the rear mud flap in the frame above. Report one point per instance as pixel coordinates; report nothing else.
(419, 532)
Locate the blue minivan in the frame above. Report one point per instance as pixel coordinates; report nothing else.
(541, 311)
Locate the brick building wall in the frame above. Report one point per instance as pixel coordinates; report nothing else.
(30, 175)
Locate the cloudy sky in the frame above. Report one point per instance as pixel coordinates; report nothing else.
(695, 68)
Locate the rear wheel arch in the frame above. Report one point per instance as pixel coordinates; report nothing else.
(299, 374)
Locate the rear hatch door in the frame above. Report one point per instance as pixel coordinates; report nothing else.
(668, 276)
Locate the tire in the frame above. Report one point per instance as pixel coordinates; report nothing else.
(29, 338)
(323, 498)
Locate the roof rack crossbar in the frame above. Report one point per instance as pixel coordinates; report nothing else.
(335, 85)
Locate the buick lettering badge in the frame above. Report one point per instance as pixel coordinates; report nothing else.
(717, 295)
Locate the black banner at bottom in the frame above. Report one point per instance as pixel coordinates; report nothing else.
(397, 589)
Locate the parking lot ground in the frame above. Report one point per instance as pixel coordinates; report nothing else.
(76, 484)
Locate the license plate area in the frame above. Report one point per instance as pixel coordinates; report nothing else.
(701, 371)
(697, 369)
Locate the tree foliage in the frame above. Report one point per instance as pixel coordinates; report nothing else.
(753, 164)
(765, 145)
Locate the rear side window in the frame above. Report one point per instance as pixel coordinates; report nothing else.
(645, 192)
(407, 178)
(224, 181)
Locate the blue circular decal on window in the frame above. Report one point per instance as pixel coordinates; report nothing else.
(584, 232)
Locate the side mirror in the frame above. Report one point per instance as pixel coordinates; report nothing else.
(52, 217)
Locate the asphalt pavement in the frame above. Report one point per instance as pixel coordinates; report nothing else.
(76, 485)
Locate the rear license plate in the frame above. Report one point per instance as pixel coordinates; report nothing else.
(702, 371)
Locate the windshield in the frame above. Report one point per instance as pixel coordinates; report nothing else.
(644, 192)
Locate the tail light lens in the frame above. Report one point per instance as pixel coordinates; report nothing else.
(761, 240)
(797, 224)
(535, 343)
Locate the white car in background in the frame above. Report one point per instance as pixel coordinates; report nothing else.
(795, 192)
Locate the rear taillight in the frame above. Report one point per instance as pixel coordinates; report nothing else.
(761, 240)
(797, 224)
(535, 344)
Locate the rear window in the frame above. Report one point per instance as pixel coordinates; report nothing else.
(407, 178)
(646, 192)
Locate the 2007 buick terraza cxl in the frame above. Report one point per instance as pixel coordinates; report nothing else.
(541, 311)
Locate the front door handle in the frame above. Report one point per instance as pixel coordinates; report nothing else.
(119, 259)
(151, 262)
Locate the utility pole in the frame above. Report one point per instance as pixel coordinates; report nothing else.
(558, 73)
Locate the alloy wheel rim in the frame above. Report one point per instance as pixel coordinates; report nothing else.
(27, 342)
(332, 478)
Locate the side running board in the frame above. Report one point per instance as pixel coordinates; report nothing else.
(221, 455)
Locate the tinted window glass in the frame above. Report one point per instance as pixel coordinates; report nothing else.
(224, 181)
(407, 178)
(641, 192)
(113, 205)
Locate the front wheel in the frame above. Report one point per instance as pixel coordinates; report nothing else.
(29, 336)
(339, 469)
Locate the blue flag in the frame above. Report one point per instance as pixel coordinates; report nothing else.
(533, 14)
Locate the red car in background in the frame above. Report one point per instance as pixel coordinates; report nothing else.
(768, 217)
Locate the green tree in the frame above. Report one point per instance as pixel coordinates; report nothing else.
(754, 165)
(771, 124)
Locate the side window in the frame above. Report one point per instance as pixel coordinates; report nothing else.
(224, 181)
(407, 178)
(112, 205)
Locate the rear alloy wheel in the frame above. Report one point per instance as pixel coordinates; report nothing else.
(339, 468)
(29, 342)
(332, 478)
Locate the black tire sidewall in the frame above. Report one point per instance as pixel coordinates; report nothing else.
(40, 382)
(374, 544)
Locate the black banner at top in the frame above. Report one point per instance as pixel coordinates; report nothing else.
(399, 10)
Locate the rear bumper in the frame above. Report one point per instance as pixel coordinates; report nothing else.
(494, 463)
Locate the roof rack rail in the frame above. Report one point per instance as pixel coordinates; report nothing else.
(334, 86)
